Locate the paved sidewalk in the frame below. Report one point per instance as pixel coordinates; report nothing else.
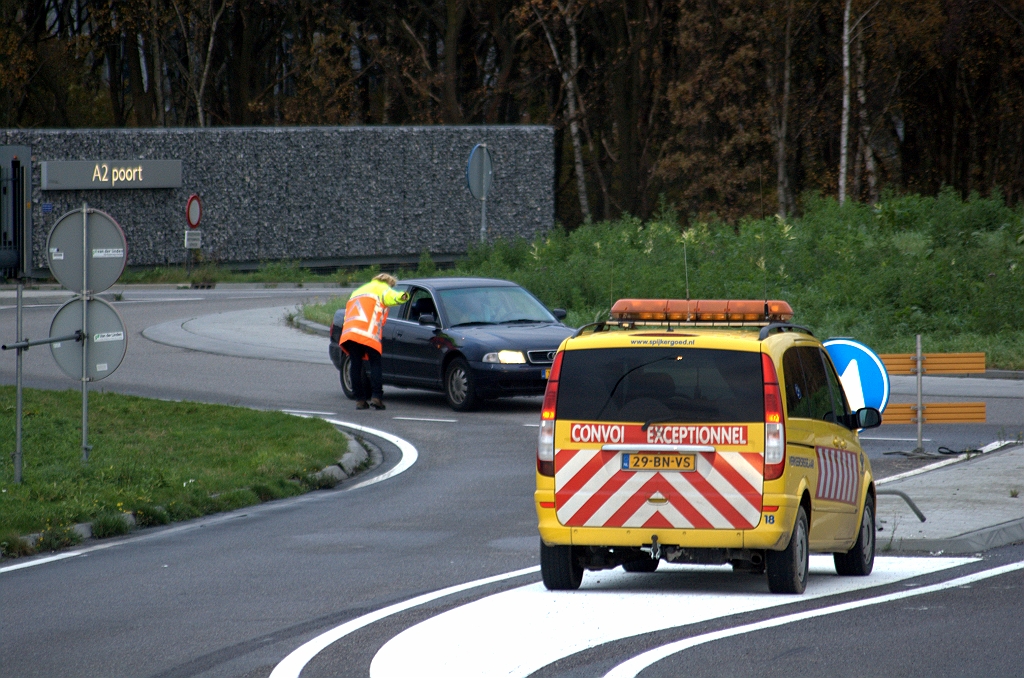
(258, 333)
(969, 505)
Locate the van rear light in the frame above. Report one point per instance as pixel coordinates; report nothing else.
(546, 436)
(774, 423)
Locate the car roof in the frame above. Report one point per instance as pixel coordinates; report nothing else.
(456, 283)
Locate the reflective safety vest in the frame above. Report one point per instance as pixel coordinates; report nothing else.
(365, 316)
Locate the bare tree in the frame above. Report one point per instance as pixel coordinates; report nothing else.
(198, 65)
(568, 73)
(844, 140)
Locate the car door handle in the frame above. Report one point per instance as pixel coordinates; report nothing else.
(398, 334)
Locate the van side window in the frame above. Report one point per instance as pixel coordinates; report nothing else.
(839, 404)
(807, 390)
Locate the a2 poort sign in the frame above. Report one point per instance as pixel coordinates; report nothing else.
(69, 175)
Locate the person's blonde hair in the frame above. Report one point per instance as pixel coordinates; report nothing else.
(386, 278)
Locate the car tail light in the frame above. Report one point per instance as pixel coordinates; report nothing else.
(546, 437)
(774, 422)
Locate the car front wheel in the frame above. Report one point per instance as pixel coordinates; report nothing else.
(459, 387)
(787, 569)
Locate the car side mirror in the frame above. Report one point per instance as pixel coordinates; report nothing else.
(559, 313)
(428, 319)
(868, 417)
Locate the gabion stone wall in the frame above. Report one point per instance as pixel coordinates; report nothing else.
(325, 196)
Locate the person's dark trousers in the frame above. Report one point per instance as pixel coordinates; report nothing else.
(356, 351)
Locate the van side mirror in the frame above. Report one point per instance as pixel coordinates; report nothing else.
(559, 313)
(868, 417)
(427, 319)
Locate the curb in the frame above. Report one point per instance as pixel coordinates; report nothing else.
(970, 542)
(309, 326)
(350, 464)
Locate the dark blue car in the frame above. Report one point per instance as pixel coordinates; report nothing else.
(472, 338)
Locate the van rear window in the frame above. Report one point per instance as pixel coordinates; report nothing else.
(661, 385)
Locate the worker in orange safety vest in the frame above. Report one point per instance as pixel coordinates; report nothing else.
(365, 315)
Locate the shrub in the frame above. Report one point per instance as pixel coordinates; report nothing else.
(109, 525)
(58, 537)
(14, 546)
(150, 516)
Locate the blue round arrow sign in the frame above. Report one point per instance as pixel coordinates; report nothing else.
(865, 379)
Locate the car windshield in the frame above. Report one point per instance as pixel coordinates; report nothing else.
(658, 385)
(492, 306)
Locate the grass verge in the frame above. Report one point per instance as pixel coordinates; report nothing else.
(160, 460)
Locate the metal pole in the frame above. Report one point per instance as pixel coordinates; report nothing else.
(920, 398)
(17, 425)
(85, 332)
(483, 220)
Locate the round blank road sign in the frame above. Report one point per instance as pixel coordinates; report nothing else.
(193, 211)
(862, 373)
(478, 171)
(105, 346)
(105, 248)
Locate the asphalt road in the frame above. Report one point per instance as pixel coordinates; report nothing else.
(235, 595)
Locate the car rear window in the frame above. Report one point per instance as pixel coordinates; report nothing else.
(661, 385)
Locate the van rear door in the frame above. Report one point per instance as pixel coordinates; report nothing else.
(660, 438)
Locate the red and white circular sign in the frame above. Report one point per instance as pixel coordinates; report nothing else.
(193, 211)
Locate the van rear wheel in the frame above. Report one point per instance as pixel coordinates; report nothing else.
(559, 568)
(787, 569)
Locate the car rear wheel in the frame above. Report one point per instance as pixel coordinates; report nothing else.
(641, 565)
(787, 569)
(860, 560)
(459, 388)
(346, 378)
(559, 569)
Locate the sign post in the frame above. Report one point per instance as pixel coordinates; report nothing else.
(478, 177)
(193, 236)
(103, 259)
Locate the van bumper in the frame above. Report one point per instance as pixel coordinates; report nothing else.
(772, 533)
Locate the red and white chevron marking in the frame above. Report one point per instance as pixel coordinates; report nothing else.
(838, 478)
(724, 492)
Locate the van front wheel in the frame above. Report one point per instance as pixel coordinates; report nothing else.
(559, 568)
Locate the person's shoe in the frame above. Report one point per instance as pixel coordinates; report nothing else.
(361, 405)
(377, 403)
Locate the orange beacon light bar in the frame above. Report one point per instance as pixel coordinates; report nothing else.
(700, 311)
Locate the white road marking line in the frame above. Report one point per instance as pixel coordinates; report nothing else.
(292, 665)
(632, 667)
(520, 631)
(532, 425)
(445, 421)
(409, 453)
(325, 414)
(939, 464)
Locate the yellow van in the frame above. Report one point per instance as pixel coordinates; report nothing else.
(701, 431)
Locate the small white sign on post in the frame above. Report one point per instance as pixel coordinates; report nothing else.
(193, 239)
